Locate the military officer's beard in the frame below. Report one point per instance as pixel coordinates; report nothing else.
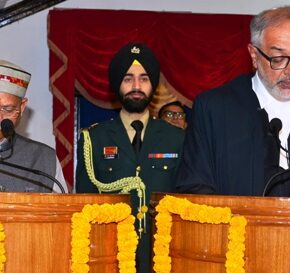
(135, 105)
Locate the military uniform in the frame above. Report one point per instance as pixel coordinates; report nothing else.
(158, 162)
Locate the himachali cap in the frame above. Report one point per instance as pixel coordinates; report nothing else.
(125, 57)
(13, 79)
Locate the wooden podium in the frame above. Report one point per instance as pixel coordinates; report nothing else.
(38, 232)
(201, 248)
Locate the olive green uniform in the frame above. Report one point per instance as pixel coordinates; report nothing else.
(114, 158)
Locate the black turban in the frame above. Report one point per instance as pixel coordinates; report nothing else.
(124, 58)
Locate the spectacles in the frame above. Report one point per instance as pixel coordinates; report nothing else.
(174, 115)
(277, 62)
(9, 111)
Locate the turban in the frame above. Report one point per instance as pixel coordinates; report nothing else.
(13, 79)
(125, 57)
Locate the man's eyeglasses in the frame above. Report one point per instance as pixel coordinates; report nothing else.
(9, 111)
(174, 115)
(276, 63)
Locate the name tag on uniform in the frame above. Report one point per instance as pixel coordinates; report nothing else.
(165, 155)
(110, 152)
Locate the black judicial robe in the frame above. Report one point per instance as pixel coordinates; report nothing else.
(226, 148)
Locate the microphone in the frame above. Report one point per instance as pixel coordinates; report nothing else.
(271, 181)
(275, 127)
(7, 128)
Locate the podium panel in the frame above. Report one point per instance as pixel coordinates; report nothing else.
(38, 232)
(197, 247)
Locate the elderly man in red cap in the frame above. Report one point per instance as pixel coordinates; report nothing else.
(134, 142)
(22, 158)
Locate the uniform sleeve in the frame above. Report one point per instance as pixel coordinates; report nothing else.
(195, 174)
(83, 183)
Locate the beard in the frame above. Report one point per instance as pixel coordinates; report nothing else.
(282, 89)
(279, 89)
(135, 105)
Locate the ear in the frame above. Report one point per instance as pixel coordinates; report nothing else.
(23, 104)
(253, 53)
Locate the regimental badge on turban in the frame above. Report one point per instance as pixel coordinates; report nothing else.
(13, 79)
(125, 57)
(135, 50)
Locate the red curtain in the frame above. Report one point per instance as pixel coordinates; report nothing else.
(196, 52)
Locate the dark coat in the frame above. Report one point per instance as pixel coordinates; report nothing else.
(228, 149)
(158, 174)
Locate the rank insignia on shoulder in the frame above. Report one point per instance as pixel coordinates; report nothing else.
(163, 155)
(110, 152)
(93, 125)
(88, 128)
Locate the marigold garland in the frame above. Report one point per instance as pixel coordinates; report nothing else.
(203, 214)
(127, 238)
(2, 249)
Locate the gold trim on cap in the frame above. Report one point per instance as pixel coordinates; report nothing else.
(14, 80)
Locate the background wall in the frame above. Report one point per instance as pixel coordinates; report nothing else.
(25, 43)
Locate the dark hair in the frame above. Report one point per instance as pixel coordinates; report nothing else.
(177, 103)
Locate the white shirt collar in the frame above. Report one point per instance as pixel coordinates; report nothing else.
(275, 109)
(261, 92)
(127, 120)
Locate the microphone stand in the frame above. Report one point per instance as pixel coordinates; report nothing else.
(266, 188)
(7, 128)
(37, 172)
(275, 127)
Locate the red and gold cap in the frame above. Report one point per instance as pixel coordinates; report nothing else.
(13, 79)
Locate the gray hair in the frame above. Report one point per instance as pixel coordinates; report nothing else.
(265, 19)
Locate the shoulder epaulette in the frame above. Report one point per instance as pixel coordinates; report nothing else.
(93, 125)
(90, 127)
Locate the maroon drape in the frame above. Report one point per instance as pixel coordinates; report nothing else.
(196, 52)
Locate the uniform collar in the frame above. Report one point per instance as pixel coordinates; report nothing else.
(127, 119)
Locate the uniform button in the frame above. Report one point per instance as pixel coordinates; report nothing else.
(153, 167)
(110, 169)
(165, 167)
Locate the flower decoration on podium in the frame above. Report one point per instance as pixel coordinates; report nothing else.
(203, 214)
(127, 238)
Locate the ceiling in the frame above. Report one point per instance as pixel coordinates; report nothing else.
(14, 10)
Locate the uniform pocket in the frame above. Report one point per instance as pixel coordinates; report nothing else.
(163, 164)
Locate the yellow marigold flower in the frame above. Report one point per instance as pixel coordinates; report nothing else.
(2, 248)
(203, 214)
(126, 236)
